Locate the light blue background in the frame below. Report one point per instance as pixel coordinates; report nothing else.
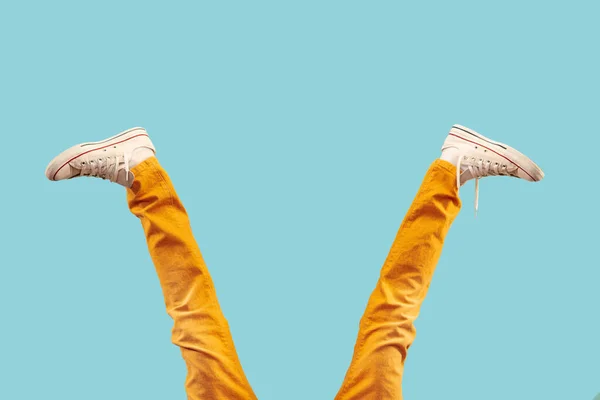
(297, 135)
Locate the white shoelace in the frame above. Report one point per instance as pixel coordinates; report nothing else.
(479, 169)
(104, 167)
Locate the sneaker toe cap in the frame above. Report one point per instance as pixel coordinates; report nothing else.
(56, 172)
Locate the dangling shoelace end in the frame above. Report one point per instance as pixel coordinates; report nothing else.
(476, 196)
(126, 160)
(458, 172)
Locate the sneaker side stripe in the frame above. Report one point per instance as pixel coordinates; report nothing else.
(492, 150)
(112, 138)
(478, 137)
(99, 148)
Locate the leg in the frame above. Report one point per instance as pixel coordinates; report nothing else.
(387, 326)
(200, 329)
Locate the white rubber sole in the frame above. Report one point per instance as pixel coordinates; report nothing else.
(512, 155)
(78, 150)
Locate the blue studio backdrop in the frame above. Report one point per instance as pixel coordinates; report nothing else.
(297, 134)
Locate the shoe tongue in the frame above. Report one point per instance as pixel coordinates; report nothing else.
(125, 179)
(465, 176)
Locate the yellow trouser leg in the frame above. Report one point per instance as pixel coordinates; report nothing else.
(200, 329)
(387, 326)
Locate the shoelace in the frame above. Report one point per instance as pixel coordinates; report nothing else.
(105, 167)
(479, 169)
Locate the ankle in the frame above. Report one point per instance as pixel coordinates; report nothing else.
(450, 154)
(139, 155)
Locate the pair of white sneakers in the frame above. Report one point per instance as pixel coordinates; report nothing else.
(474, 155)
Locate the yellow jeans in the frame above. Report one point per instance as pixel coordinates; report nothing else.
(201, 331)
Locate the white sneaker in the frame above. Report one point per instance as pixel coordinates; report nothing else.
(476, 156)
(110, 159)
